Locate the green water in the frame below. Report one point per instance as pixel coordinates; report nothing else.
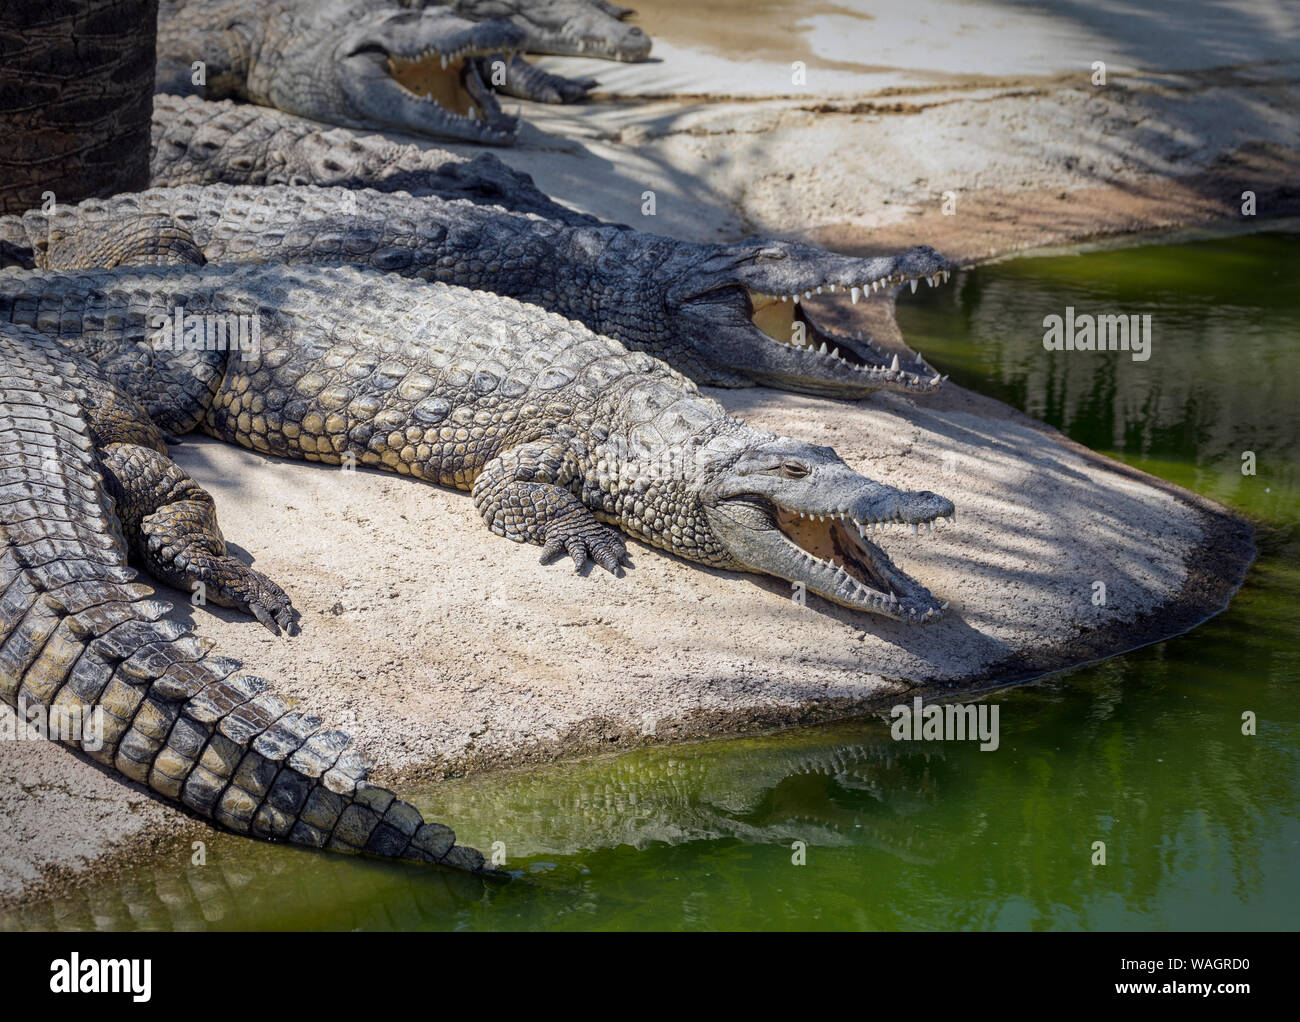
(1143, 752)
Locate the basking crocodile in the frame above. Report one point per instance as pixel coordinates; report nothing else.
(725, 315)
(578, 28)
(89, 658)
(358, 63)
(558, 432)
(198, 141)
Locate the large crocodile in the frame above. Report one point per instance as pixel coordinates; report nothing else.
(197, 141)
(725, 315)
(88, 658)
(358, 63)
(558, 432)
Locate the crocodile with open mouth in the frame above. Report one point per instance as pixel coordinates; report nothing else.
(725, 315)
(358, 63)
(558, 432)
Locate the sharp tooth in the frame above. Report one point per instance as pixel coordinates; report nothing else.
(913, 283)
(823, 348)
(859, 335)
(783, 298)
(945, 276)
(795, 299)
(835, 353)
(855, 294)
(819, 289)
(875, 285)
(444, 61)
(808, 294)
(945, 604)
(893, 366)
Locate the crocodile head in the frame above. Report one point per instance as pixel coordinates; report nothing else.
(795, 510)
(745, 309)
(580, 28)
(358, 63)
(415, 71)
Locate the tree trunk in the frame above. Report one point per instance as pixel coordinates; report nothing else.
(76, 91)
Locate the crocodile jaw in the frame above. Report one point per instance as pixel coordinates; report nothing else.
(430, 93)
(748, 310)
(796, 511)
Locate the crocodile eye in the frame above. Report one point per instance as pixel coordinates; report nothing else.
(794, 469)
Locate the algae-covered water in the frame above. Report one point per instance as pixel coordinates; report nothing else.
(1144, 752)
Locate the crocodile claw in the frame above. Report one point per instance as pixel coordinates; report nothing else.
(275, 617)
(605, 547)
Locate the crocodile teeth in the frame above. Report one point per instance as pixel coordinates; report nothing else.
(913, 283)
(893, 366)
(855, 294)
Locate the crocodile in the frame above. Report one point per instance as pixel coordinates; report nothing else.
(724, 314)
(575, 28)
(357, 63)
(558, 433)
(89, 658)
(197, 141)
(75, 80)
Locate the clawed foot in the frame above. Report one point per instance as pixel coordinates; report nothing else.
(234, 584)
(592, 541)
(568, 90)
(276, 616)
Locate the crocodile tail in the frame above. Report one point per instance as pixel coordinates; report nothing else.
(82, 643)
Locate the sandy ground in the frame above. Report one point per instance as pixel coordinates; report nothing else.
(446, 649)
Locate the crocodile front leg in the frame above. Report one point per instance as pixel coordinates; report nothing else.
(524, 495)
(171, 523)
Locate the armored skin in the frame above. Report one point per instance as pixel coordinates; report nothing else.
(573, 28)
(725, 315)
(86, 654)
(197, 141)
(559, 433)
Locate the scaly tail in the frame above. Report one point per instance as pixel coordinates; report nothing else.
(79, 634)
